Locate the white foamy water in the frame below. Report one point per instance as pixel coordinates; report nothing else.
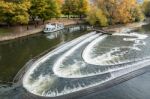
(138, 36)
(109, 57)
(65, 77)
(27, 76)
(68, 71)
(36, 89)
(40, 85)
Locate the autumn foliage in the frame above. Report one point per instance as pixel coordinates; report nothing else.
(101, 12)
(146, 7)
(22, 11)
(117, 11)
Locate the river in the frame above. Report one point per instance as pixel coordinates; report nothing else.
(14, 54)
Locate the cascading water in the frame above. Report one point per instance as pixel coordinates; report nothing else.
(87, 61)
(102, 53)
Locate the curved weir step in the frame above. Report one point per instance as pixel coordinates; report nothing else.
(90, 61)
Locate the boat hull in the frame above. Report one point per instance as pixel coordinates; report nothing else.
(47, 31)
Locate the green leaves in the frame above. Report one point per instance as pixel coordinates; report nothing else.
(76, 7)
(21, 12)
(103, 12)
(44, 9)
(146, 7)
(14, 13)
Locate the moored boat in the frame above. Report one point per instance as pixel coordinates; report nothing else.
(53, 27)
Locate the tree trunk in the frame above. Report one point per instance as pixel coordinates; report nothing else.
(33, 19)
(80, 16)
(8, 24)
(35, 24)
(43, 22)
(68, 15)
(27, 26)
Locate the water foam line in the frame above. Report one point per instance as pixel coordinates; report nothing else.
(101, 59)
(88, 49)
(57, 66)
(134, 34)
(74, 45)
(58, 50)
(115, 74)
(132, 67)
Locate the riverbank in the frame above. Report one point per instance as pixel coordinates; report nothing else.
(121, 28)
(21, 31)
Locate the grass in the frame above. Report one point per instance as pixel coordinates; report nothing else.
(4, 31)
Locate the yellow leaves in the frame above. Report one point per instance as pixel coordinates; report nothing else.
(60, 2)
(122, 13)
(85, 6)
(12, 12)
(130, 11)
(76, 7)
(96, 15)
(102, 20)
(91, 18)
(7, 7)
(22, 19)
(117, 11)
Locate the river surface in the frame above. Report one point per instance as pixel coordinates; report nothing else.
(14, 54)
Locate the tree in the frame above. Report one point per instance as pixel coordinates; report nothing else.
(137, 14)
(83, 7)
(14, 13)
(128, 11)
(37, 8)
(76, 7)
(146, 7)
(59, 4)
(70, 7)
(44, 9)
(96, 15)
(91, 17)
(7, 11)
(101, 17)
(21, 15)
(120, 11)
(51, 10)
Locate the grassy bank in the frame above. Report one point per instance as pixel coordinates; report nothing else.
(4, 31)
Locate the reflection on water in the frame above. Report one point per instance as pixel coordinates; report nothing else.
(14, 54)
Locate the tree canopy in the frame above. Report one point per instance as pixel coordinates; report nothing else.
(146, 7)
(103, 12)
(44, 9)
(20, 12)
(76, 7)
(119, 11)
(12, 12)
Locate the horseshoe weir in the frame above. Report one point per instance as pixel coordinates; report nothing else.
(87, 62)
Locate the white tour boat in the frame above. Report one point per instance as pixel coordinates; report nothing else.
(53, 27)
